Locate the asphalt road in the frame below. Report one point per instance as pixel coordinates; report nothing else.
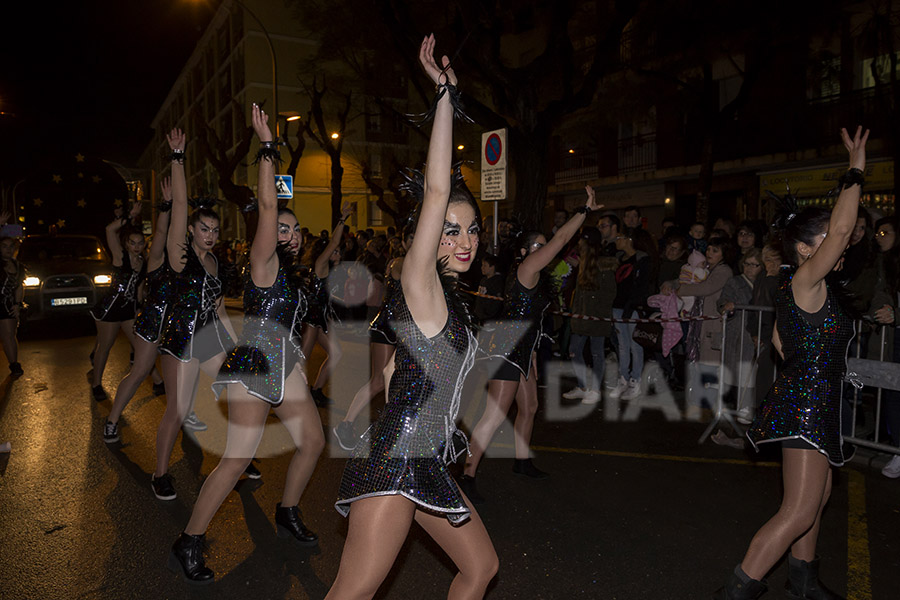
(635, 508)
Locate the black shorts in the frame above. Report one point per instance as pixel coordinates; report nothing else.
(798, 443)
(503, 370)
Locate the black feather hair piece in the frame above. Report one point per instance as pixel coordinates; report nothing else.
(455, 102)
(787, 207)
(202, 202)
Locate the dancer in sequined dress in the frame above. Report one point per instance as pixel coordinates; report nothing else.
(197, 331)
(802, 410)
(382, 340)
(322, 257)
(149, 321)
(117, 308)
(399, 472)
(513, 346)
(264, 371)
(11, 294)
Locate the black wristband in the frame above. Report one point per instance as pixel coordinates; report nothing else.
(584, 210)
(177, 155)
(852, 177)
(164, 206)
(268, 151)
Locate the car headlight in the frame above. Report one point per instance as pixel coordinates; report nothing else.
(102, 279)
(32, 281)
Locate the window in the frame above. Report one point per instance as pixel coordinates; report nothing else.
(882, 66)
(374, 214)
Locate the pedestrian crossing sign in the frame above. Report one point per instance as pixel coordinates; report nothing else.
(284, 187)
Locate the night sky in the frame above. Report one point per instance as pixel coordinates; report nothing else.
(88, 76)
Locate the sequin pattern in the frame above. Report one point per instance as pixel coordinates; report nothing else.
(319, 310)
(269, 345)
(407, 450)
(805, 400)
(11, 282)
(151, 317)
(380, 328)
(120, 302)
(518, 330)
(197, 292)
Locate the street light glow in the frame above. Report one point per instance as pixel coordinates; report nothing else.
(571, 150)
(460, 147)
(335, 136)
(294, 118)
(668, 201)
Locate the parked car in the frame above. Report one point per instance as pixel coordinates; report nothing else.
(64, 274)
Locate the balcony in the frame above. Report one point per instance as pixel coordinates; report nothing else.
(637, 153)
(577, 168)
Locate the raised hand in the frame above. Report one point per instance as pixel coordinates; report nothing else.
(165, 188)
(856, 147)
(176, 139)
(437, 74)
(347, 208)
(135, 211)
(591, 199)
(260, 121)
(4, 217)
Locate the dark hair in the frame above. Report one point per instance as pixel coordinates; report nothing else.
(490, 259)
(754, 227)
(802, 227)
(314, 251)
(286, 211)
(725, 246)
(526, 240)
(126, 232)
(613, 220)
(862, 213)
(459, 194)
(677, 237)
(200, 213)
(634, 208)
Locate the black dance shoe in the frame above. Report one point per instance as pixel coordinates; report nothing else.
(527, 469)
(252, 472)
(159, 389)
(289, 524)
(467, 485)
(803, 581)
(320, 398)
(99, 393)
(15, 369)
(186, 558)
(346, 437)
(737, 589)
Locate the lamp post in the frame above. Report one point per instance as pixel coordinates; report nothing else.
(274, 66)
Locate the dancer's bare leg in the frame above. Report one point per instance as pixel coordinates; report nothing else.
(500, 397)
(180, 377)
(381, 354)
(144, 360)
(8, 339)
(246, 423)
(106, 337)
(807, 482)
(300, 417)
(527, 404)
(332, 346)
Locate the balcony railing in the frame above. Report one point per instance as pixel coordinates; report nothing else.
(575, 168)
(637, 153)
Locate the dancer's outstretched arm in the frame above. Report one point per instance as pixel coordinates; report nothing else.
(420, 280)
(321, 266)
(263, 258)
(177, 235)
(530, 269)
(112, 233)
(157, 252)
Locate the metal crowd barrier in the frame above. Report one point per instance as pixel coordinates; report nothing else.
(867, 373)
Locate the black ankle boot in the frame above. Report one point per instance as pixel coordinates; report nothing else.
(467, 485)
(803, 581)
(736, 589)
(526, 467)
(186, 557)
(289, 524)
(15, 369)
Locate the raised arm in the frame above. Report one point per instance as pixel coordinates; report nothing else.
(112, 237)
(263, 259)
(419, 278)
(321, 267)
(177, 234)
(529, 270)
(809, 281)
(157, 251)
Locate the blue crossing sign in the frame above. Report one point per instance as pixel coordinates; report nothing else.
(284, 187)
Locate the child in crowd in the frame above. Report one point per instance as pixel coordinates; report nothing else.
(694, 271)
(697, 238)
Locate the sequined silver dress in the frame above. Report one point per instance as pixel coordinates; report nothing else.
(519, 329)
(408, 449)
(269, 344)
(804, 403)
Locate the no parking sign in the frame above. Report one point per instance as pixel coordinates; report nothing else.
(493, 165)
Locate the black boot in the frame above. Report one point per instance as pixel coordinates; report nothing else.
(15, 369)
(526, 467)
(186, 557)
(288, 523)
(738, 589)
(803, 581)
(467, 485)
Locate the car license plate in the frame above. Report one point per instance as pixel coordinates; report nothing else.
(68, 301)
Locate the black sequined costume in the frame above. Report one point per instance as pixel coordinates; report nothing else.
(120, 302)
(408, 449)
(380, 329)
(518, 330)
(269, 344)
(193, 313)
(11, 282)
(319, 310)
(805, 401)
(149, 322)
